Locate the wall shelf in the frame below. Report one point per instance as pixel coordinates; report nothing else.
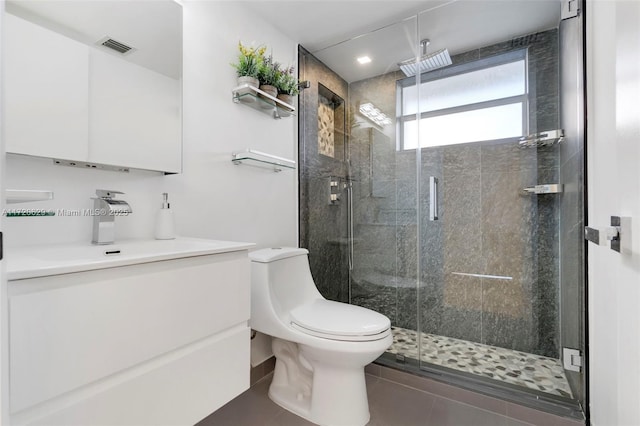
(14, 196)
(262, 101)
(262, 159)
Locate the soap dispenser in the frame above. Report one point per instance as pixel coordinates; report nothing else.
(165, 228)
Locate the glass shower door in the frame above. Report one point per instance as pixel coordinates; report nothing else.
(490, 284)
(384, 193)
(418, 201)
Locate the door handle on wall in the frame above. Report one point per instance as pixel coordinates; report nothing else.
(618, 234)
(601, 236)
(433, 198)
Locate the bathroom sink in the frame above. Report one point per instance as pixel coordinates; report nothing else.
(44, 260)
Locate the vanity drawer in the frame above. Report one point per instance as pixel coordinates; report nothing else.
(181, 391)
(67, 331)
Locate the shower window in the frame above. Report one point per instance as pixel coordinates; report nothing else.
(476, 101)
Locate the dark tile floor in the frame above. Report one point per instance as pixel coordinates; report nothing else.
(390, 404)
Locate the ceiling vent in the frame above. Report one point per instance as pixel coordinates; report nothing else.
(118, 46)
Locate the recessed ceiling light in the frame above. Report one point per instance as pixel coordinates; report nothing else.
(364, 60)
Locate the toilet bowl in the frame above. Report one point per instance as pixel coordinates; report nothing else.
(321, 347)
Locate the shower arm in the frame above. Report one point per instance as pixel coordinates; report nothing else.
(424, 44)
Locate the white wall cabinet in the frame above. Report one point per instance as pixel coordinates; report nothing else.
(69, 101)
(156, 343)
(46, 92)
(133, 114)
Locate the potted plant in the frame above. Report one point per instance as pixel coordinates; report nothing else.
(250, 59)
(269, 74)
(287, 85)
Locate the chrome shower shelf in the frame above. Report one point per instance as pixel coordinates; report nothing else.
(262, 159)
(261, 101)
(546, 138)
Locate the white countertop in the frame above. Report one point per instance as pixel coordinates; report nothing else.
(44, 260)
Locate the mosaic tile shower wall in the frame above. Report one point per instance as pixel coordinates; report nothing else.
(326, 125)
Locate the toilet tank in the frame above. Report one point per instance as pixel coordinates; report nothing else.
(283, 276)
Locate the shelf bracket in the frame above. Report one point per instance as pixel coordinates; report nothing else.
(262, 101)
(262, 159)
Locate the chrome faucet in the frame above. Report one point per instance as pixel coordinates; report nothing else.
(105, 209)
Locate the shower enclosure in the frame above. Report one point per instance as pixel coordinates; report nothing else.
(451, 200)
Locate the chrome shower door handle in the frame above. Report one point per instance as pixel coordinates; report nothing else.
(433, 198)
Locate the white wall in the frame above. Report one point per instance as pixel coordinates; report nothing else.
(212, 198)
(613, 84)
(4, 300)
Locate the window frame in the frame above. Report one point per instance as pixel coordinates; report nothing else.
(467, 67)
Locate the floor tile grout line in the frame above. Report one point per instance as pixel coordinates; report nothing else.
(377, 384)
(405, 342)
(445, 398)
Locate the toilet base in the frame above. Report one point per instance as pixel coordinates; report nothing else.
(324, 394)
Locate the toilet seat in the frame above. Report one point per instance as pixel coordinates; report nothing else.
(339, 321)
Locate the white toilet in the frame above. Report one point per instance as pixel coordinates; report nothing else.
(321, 347)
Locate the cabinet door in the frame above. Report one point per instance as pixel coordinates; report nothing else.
(134, 114)
(46, 92)
(72, 330)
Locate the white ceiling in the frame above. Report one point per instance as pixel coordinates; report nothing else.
(317, 24)
(337, 32)
(152, 27)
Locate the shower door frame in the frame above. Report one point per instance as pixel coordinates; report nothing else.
(577, 408)
(460, 379)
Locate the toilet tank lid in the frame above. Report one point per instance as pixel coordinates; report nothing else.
(276, 253)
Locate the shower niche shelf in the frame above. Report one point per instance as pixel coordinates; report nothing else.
(257, 99)
(257, 158)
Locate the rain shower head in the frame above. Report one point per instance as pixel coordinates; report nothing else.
(426, 63)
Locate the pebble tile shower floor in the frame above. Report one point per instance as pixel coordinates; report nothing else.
(507, 365)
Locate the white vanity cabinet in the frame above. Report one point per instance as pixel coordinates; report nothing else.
(156, 343)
